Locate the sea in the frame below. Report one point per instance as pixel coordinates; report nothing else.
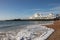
(13, 25)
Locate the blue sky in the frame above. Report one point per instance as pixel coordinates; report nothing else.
(11, 9)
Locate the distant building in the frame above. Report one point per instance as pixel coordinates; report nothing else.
(39, 16)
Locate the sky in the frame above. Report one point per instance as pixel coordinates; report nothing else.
(14, 9)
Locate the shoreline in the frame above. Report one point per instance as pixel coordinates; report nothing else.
(46, 32)
(56, 34)
(33, 19)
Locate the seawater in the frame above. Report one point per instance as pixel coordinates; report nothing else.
(13, 25)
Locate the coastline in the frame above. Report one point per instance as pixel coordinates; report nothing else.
(34, 19)
(56, 34)
(46, 32)
(55, 26)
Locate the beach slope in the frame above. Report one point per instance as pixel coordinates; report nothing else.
(56, 27)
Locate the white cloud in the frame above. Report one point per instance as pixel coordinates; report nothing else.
(55, 9)
(36, 9)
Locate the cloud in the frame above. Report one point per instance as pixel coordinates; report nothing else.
(36, 9)
(55, 9)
